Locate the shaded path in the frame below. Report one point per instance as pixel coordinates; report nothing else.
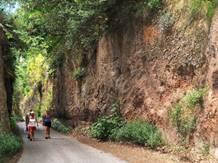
(60, 149)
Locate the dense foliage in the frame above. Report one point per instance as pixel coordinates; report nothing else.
(60, 127)
(140, 132)
(73, 24)
(9, 144)
(203, 6)
(104, 127)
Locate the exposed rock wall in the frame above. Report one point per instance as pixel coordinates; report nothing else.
(209, 121)
(143, 66)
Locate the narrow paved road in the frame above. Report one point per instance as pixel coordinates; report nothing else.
(60, 149)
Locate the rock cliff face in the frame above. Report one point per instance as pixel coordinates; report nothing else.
(209, 122)
(146, 66)
(4, 118)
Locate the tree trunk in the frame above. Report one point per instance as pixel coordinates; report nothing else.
(4, 118)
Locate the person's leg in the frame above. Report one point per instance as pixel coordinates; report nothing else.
(31, 133)
(46, 132)
(49, 133)
(28, 132)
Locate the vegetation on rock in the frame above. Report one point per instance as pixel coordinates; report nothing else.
(203, 6)
(184, 115)
(79, 73)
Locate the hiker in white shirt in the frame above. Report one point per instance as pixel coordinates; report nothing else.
(32, 125)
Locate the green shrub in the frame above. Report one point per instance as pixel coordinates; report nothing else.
(14, 119)
(184, 120)
(153, 4)
(18, 118)
(13, 123)
(175, 115)
(187, 126)
(194, 97)
(60, 127)
(198, 6)
(183, 115)
(140, 132)
(113, 127)
(79, 73)
(211, 6)
(9, 144)
(115, 108)
(104, 127)
(205, 150)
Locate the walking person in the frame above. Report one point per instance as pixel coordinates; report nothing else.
(32, 125)
(47, 124)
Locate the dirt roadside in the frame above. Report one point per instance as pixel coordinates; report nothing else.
(136, 154)
(130, 153)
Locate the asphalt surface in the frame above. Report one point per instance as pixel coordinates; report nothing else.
(60, 149)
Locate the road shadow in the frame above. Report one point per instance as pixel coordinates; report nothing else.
(57, 138)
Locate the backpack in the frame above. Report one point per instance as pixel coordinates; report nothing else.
(47, 119)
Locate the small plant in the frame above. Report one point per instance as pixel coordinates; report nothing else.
(153, 4)
(211, 6)
(175, 115)
(194, 97)
(166, 21)
(184, 120)
(187, 126)
(115, 108)
(9, 144)
(60, 127)
(205, 150)
(140, 132)
(79, 73)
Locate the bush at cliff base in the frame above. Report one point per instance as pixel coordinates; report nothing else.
(137, 131)
(105, 126)
(140, 132)
(60, 127)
